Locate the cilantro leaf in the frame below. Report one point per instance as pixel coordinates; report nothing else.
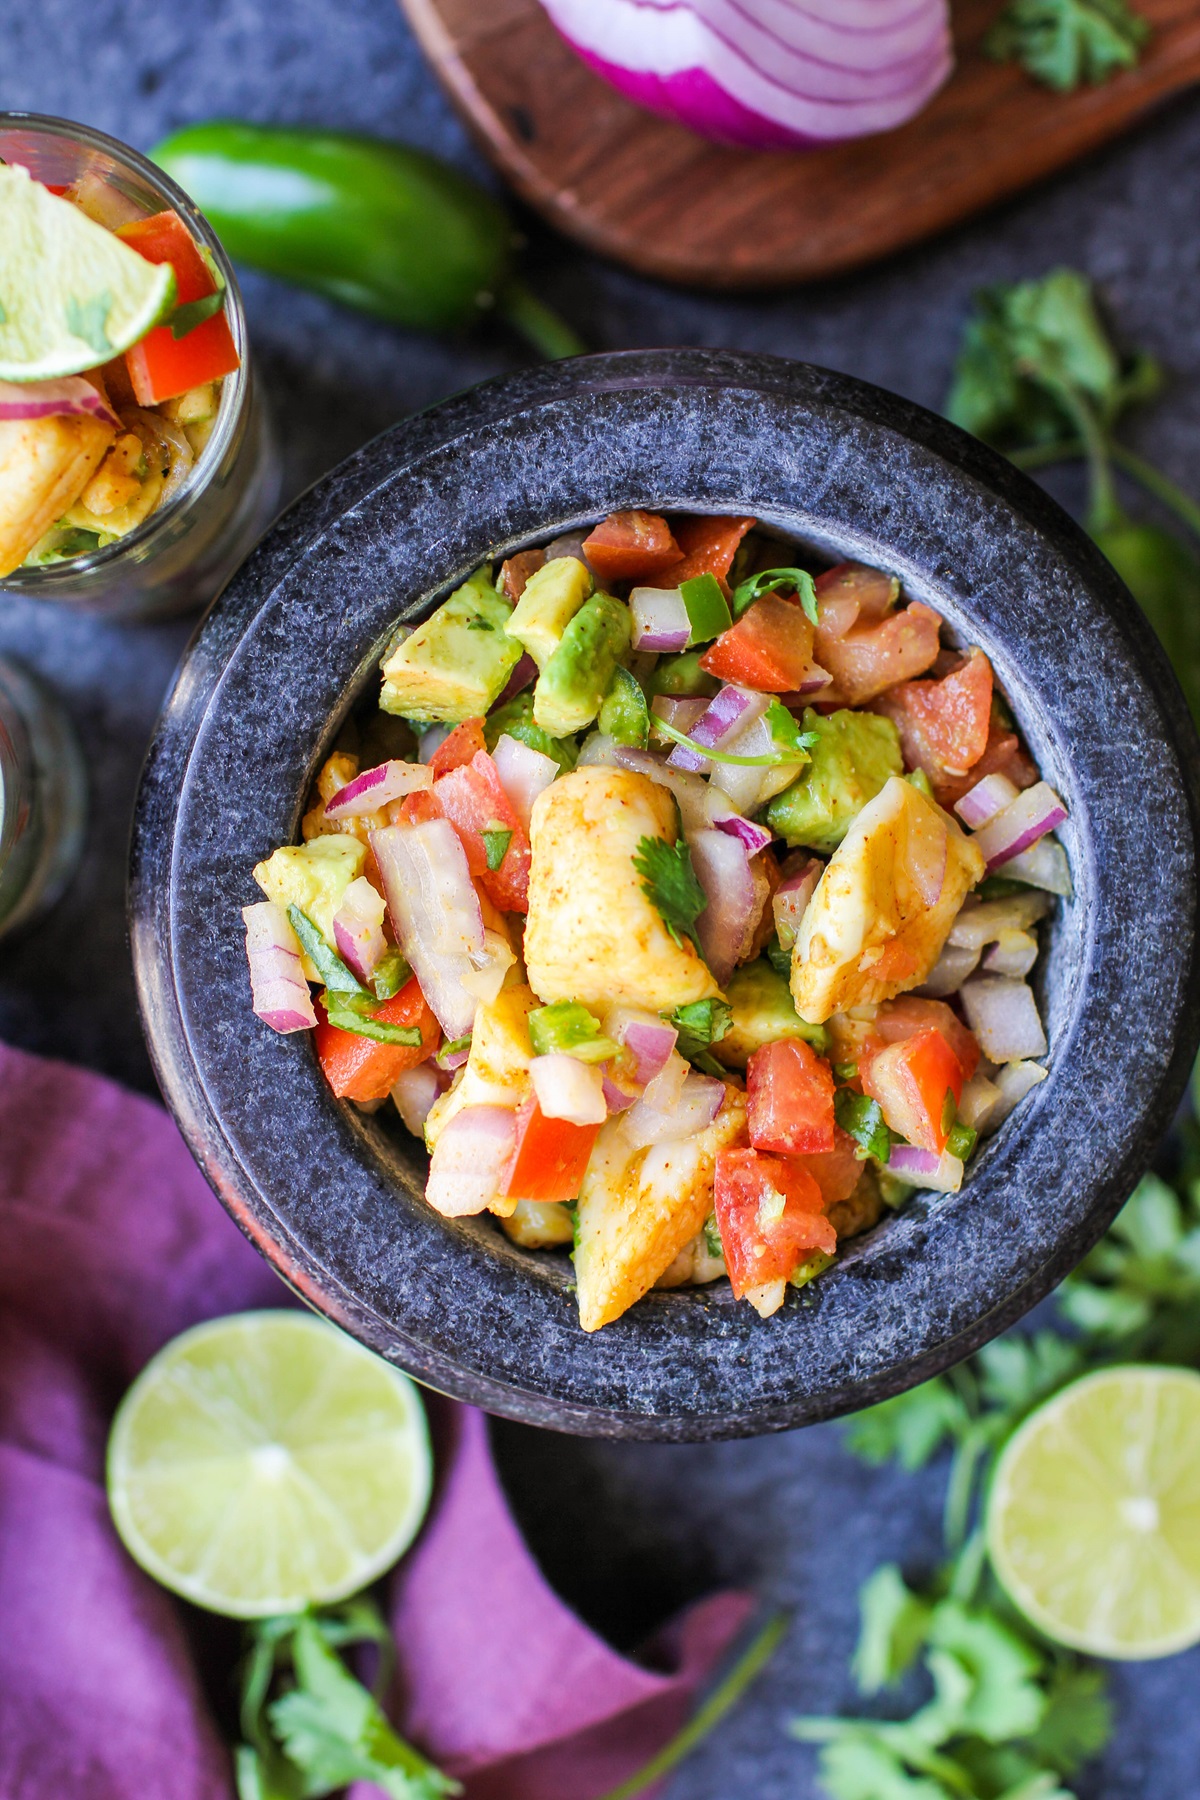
(773, 581)
(862, 1118)
(496, 840)
(185, 318)
(669, 883)
(700, 1024)
(1064, 43)
(910, 1428)
(894, 1623)
(779, 958)
(1004, 1699)
(860, 1765)
(337, 977)
(785, 730)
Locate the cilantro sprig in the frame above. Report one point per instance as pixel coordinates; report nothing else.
(1065, 43)
(671, 885)
(701, 1024)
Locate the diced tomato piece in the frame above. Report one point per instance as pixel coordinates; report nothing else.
(162, 366)
(515, 573)
(631, 546)
(837, 1172)
(416, 808)
(1003, 756)
(709, 546)
(550, 1158)
(769, 1212)
(474, 801)
(770, 648)
(866, 659)
(464, 742)
(360, 1068)
(944, 724)
(911, 1081)
(899, 1019)
(789, 1094)
(872, 593)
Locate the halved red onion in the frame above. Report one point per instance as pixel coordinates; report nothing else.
(568, 1089)
(1014, 953)
(1014, 1081)
(980, 924)
(732, 710)
(358, 928)
(414, 1093)
(435, 914)
(985, 800)
(954, 966)
(763, 75)
(791, 898)
(753, 837)
(1021, 823)
(523, 676)
(922, 1169)
(723, 870)
(698, 1105)
(648, 1039)
(72, 397)
(524, 773)
(376, 787)
(616, 1098)
(470, 1159)
(1044, 866)
(1003, 1015)
(280, 992)
(660, 619)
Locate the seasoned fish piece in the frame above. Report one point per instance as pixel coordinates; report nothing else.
(883, 909)
(639, 1207)
(592, 934)
(45, 464)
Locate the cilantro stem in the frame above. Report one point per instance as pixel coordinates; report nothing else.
(772, 760)
(727, 1692)
(1164, 490)
(961, 1486)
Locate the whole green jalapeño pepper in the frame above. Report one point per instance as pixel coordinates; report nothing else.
(376, 225)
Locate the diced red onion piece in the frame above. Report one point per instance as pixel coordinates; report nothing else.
(568, 1089)
(522, 676)
(453, 1059)
(982, 924)
(1014, 1081)
(1014, 953)
(71, 397)
(280, 992)
(1004, 1017)
(680, 712)
(730, 711)
(616, 1098)
(753, 837)
(660, 619)
(1021, 823)
(524, 773)
(953, 967)
(699, 803)
(414, 1093)
(723, 870)
(597, 751)
(486, 978)
(569, 544)
(358, 928)
(985, 800)
(664, 1091)
(431, 741)
(979, 1097)
(468, 1164)
(791, 898)
(922, 1169)
(699, 1103)
(376, 787)
(1044, 866)
(648, 1039)
(435, 914)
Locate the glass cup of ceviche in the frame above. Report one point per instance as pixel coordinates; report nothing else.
(682, 895)
(43, 793)
(136, 468)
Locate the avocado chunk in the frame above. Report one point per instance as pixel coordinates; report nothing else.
(455, 665)
(762, 1012)
(515, 718)
(552, 597)
(314, 877)
(573, 683)
(855, 753)
(681, 675)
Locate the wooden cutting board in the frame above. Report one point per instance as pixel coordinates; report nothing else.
(656, 197)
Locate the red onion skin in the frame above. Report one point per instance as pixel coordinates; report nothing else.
(976, 808)
(651, 1047)
(1040, 819)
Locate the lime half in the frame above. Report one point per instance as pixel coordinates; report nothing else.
(1093, 1521)
(71, 294)
(265, 1462)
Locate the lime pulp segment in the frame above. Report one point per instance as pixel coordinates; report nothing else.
(1094, 1514)
(72, 295)
(266, 1462)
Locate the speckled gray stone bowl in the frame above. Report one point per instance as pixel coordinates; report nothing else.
(333, 1198)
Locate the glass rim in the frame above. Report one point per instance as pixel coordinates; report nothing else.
(234, 389)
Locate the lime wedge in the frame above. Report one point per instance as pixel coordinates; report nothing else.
(1093, 1522)
(71, 294)
(266, 1462)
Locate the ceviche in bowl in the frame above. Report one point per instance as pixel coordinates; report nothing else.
(682, 896)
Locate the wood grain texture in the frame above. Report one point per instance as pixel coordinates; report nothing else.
(662, 200)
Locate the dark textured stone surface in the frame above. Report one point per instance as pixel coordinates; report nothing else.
(624, 1529)
(335, 1200)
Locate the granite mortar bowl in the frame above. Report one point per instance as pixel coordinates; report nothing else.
(333, 1197)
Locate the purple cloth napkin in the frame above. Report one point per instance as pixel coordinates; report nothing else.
(110, 1243)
